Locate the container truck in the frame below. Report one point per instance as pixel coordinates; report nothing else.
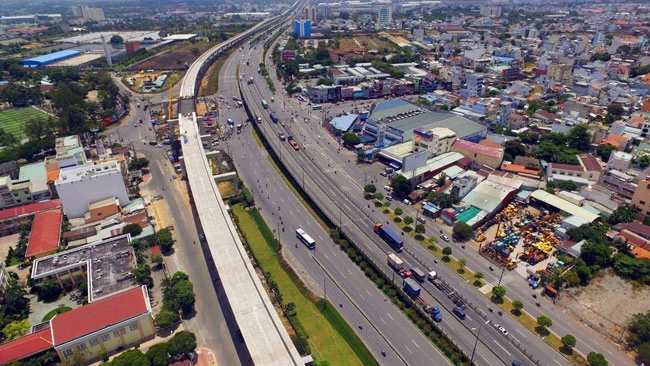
(432, 276)
(411, 287)
(273, 117)
(395, 262)
(395, 242)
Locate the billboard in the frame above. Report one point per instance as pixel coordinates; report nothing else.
(415, 160)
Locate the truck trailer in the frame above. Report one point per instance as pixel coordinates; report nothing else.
(273, 117)
(395, 242)
(411, 287)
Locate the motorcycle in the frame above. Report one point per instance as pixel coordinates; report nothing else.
(491, 269)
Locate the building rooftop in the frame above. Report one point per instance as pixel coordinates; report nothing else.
(35, 174)
(392, 108)
(109, 264)
(563, 205)
(46, 233)
(30, 209)
(575, 168)
(100, 314)
(81, 172)
(25, 346)
(428, 120)
(478, 148)
(344, 123)
(487, 195)
(53, 56)
(590, 163)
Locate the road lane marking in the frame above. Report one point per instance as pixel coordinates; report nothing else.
(405, 346)
(326, 257)
(416, 345)
(522, 334)
(391, 318)
(500, 346)
(382, 320)
(556, 361)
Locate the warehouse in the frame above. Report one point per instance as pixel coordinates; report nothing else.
(45, 60)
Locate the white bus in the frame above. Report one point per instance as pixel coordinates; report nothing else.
(305, 239)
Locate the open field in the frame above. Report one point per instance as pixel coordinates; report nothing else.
(13, 120)
(364, 41)
(174, 59)
(325, 338)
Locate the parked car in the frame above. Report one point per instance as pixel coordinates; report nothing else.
(389, 197)
(406, 201)
(444, 237)
(387, 188)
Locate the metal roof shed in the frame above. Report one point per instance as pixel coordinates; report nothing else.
(51, 58)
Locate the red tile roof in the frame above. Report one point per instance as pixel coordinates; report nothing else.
(25, 346)
(29, 209)
(575, 168)
(478, 148)
(637, 228)
(590, 162)
(99, 315)
(46, 231)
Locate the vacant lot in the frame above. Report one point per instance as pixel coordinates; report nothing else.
(13, 120)
(607, 304)
(364, 41)
(174, 59)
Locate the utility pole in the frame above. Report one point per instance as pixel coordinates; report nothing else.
(477, 335)
(503, 269)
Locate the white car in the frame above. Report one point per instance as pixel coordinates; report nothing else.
(406, 201)
(389, 198)
(387, 188)
(501, 329)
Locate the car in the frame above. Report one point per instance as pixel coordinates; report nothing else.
(444, 237)
(153, 143)
(501, 329)
(383, 174)
(387, 188)
(406, 201)
(517, 363)
(201, 237)
(389, 197)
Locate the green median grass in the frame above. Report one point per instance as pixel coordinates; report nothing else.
(329, 336)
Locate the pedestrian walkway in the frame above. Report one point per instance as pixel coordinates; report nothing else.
(205, 357)
(506, 279)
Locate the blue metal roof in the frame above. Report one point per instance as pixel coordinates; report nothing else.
(51, 58)
(343, 123)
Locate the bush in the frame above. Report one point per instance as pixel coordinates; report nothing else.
(181, 343)
(166, 318)
(398, 211)
(158, 355)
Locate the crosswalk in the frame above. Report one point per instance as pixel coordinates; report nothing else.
(507, 278)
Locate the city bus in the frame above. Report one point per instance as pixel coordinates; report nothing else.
(305, 239)
(316, 107)
(264, 104)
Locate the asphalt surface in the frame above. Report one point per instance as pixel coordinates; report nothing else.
(211, 322)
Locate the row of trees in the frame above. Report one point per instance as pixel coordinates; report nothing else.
(160, 354)
(178, 296)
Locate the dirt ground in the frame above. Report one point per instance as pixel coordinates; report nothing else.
(364, 41)
(607, 314)
(174, 59)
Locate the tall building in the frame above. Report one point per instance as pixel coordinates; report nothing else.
(302, 28)
(310, 13)
(474, 85)
(641, 197)
(385, 15)
(491, 11)
(598, 38)
(88, 13)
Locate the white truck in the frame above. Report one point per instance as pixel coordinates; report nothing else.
(432, 276)
(395, 262)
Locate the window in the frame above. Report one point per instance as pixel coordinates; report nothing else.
(93, 342)
(116, 334)
(122, 330)
(81, 346)
(68, 352)
(106, 337)
(133, 326)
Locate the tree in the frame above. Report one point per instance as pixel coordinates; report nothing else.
(579, 138)
(408, 220)
(604, 151)
(157, 258)
(38, 127)
(568, 185)
(15, 303)
(644, 161)
(398, 211)
(462, 263)
(7, 139)
(420, 229)
(596, 359)
(138, 163)
(401, 186)
(515, 148)
(518, 305)
(595, 253)
(479, 275)
(116, 39)
(166, 318)
(462, 230)
(185, 296)
(15, 329)
(544, 321)
(615, 110)
(446, 250)
(165, 239)
(132, 357)
(158, 355)
(643, 352)
(569, 341)
(442, 179)
(625, 213)
(133, 229)
(181, 343)
(370, 188)
(49, 291)
(379, 196)
(639, 329)
(499, 291)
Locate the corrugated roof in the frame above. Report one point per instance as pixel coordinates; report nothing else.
(99, 315)
(46, 230)
(29, 209)
(478, 148)
(344, 123)
(487, 195)
(53, 56)
(590, 162)
(563, 205)
(25, 346)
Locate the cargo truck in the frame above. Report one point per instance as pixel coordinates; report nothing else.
(395, 262)
(432, 276)
(411, 287)
(264, 104)
(395, 242)
(419, 274)
(273, 117)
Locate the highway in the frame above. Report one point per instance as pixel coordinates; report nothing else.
(311, 177)
(378, 322)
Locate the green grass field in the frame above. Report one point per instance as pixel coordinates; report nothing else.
(13, 120)
(330, 337)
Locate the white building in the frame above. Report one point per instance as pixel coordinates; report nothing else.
(80, 185)
(437, 140)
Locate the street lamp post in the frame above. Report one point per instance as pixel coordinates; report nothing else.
(503, 269)
(477, 335)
